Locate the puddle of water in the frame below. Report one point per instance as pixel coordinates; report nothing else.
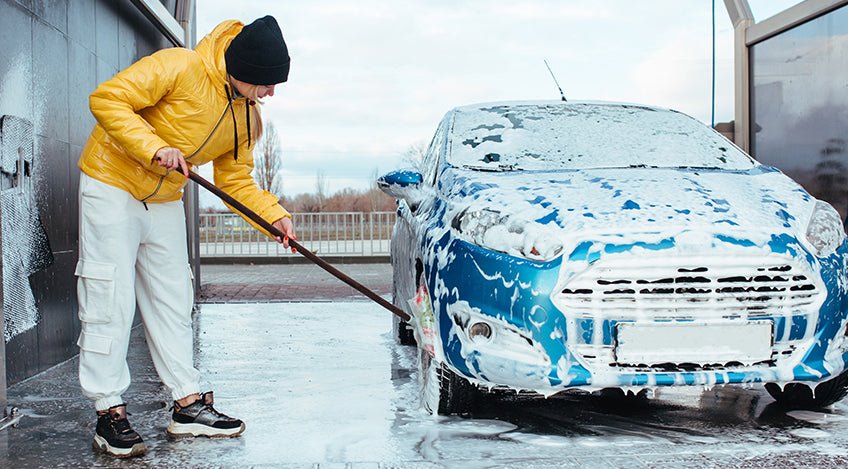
(818, 418)
(812, 433)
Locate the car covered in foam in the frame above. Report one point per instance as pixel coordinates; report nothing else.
(593, 246)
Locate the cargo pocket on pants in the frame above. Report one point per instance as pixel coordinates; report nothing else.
(95, 343)
(95, 291)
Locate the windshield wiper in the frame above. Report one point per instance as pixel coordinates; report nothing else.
(698, 168)
(493, 169)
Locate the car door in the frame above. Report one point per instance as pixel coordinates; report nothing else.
(410, 223)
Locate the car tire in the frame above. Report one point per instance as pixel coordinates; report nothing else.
(402, 331)
(620, 396)
(444, 392)
(801, 396)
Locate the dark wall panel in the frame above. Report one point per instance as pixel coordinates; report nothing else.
(15, 60)
(127, 48)
(50, 80)
(80, 84)
(104, 70)
(53, 12)
(55, 52)
(57, 319)
(106, 32)
(54, 191)
(73, 213)
(148, 39)
(22, 356)
(80, 13)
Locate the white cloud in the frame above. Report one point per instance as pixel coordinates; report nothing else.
(370, 78)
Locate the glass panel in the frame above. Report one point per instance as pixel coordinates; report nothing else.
(171, 6)
(799, 105)
(431, 157)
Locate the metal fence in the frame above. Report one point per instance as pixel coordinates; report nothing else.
(327, 233)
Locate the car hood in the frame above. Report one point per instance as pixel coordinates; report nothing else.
(759, 200)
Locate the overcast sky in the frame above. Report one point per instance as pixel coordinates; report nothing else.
(370, 78)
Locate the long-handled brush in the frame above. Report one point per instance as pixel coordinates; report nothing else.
(297, 246)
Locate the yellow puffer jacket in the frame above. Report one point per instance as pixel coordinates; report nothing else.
(175, 98)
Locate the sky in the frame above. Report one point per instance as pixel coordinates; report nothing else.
(369, 79)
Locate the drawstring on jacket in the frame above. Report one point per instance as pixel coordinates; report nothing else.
(247, 114)
(235, 124)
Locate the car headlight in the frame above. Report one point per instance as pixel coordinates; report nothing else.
(825, 231)
(499, 232)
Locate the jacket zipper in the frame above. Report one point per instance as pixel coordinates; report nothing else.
(235, 123)
(208, 137)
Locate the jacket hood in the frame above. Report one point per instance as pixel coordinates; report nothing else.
(212, 47)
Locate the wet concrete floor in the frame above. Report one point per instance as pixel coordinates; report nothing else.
(260, 283)
(323, 384)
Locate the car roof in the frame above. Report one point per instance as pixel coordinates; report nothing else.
(558, 102)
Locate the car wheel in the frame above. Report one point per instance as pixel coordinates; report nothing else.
(443, 392)
(617, 395)
(402, 331)
(801, 396)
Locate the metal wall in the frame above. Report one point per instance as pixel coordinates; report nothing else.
(54, 54)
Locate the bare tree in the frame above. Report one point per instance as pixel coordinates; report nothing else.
(267, 160)
(305, 203)
(373, 192)
(320, 190)
(344, 200)
(413, 156)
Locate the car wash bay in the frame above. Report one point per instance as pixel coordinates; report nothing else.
(319, 380)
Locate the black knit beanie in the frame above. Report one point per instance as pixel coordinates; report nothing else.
(258, 54)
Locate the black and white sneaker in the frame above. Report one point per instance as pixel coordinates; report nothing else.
(201, 419)
(114, 435)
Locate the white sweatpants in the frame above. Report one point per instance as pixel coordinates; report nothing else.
(132, 254)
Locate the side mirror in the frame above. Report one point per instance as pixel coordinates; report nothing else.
(402, 184)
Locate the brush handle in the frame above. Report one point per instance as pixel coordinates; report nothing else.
(299, 247)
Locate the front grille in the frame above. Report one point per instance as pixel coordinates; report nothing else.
(690, 289)
(627, 288)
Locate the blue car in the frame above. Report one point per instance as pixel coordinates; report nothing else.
(552, 246)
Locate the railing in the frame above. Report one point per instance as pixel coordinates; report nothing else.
(326, 233)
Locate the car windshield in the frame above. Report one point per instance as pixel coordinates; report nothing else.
(582, 136)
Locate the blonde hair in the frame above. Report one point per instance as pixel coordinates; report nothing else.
(256, 121)
(251, 92)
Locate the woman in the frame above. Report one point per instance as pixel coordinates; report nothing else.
(164, 114)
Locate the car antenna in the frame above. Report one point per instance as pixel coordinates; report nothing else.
(555, 80)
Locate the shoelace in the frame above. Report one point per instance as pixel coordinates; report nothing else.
(208, 407)
(214, 412)
(122, 426)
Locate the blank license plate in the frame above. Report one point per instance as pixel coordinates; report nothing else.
(688, 342)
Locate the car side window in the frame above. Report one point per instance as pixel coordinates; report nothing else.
(431, 157)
